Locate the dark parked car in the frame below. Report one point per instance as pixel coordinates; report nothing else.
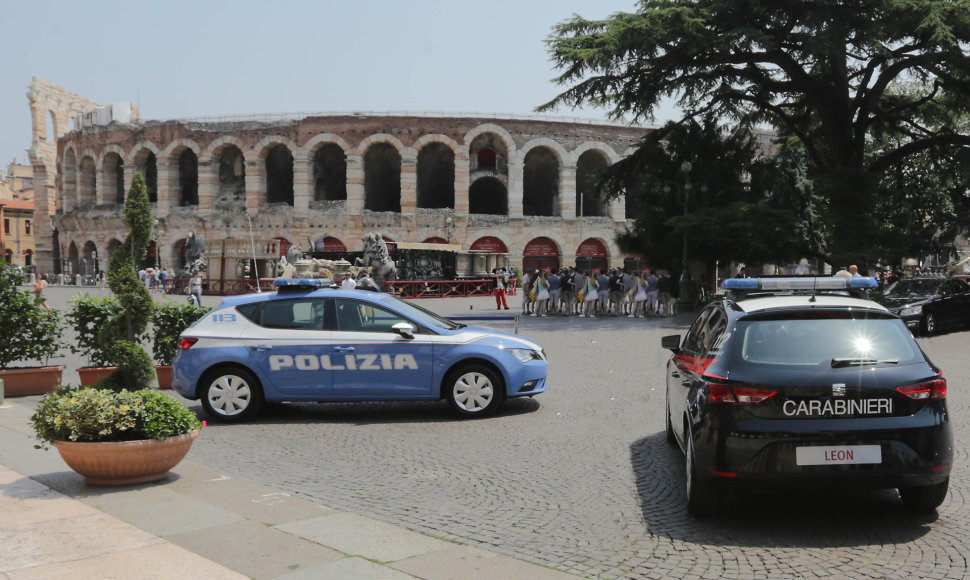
(928, 305)
(795, 385)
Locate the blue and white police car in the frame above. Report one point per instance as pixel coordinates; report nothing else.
(312, 342)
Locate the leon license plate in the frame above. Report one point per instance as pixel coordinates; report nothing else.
(838, 455)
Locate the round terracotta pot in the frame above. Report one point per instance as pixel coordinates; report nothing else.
(125, 462)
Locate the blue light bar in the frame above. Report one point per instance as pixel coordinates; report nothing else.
(800, 283)
(297, 283)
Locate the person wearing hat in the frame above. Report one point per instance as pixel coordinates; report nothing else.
(348, 283)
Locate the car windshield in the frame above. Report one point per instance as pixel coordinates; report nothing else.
(912, 287)
(423, 316)
(826, 341)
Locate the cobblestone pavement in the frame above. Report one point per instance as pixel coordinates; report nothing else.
(581, 478)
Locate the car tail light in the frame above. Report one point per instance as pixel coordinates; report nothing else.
(935, 389)
(185, 343)
(738, 394)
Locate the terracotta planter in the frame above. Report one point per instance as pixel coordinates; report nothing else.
(125, 462)
(31, 381)
(91, 375)
(164, 374)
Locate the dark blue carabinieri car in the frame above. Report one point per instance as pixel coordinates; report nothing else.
(798, 383)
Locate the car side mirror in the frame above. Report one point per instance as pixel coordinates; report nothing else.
(404, 329)
(671, 342)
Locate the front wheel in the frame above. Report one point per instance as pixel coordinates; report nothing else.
(474, 391)
(231, 395)
(926, 497)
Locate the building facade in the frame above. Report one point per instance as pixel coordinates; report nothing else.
(507, 191)
(17, 215)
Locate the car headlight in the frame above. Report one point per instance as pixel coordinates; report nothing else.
(525, 354)
(912, 310)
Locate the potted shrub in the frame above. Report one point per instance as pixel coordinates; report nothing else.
(115, 437)
(87, 316)
(30, 334)
(169, 319)
(107, 431)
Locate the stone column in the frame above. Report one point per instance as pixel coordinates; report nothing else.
(167, 185)
(461, 184)
(208, 184)
(617, 209)
(516, 192)
(355, 184)
(255, 185)
(302, 188)
(567, 192)
(409, 182)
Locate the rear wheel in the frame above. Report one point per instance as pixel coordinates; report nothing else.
(703, 498)
(474, 390)
(929, 324)
(231, 394)
(926, 497)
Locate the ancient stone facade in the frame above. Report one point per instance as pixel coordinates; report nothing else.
(493, 185)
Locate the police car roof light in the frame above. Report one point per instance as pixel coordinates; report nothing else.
(301, 284)
(800, 283)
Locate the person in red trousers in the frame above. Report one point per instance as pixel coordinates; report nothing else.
(501, 281)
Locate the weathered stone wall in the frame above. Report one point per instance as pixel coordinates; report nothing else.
(224, 221)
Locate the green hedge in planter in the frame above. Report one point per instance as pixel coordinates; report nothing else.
(29, 333)
(168, 321)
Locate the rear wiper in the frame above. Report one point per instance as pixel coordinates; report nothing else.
(848, 362)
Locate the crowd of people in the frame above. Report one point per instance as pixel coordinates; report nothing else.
(569, 292)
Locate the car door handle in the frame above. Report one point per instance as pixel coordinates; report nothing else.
(343, 349)
(685, 382)
(261, 347)
(675, 374)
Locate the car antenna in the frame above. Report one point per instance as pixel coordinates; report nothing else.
(814, 289)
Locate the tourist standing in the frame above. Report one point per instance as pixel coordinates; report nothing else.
(40, 291)
(653, 290)
(501, 279)
(592, 296)
(603, 290)
(555, 292)
(195, 288)
(348, 283)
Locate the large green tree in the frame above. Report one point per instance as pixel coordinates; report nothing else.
(821, 71)
(740, 204)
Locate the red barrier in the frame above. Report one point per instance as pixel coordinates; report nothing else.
(400, 288)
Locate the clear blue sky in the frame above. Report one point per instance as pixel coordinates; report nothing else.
(177, 58)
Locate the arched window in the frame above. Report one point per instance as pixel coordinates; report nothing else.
(436, 176)
(87, 183)
(232, 174)
(329, 173)
(113, 178)
(488, 195)
(589, 202)
(279, 175)
(188, 178)
(540, 183)
(382, 178)
(486, 158)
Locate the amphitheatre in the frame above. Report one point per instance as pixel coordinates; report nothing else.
(500, 190)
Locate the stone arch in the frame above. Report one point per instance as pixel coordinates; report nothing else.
(589, 201)
(50, 126)
(500, 132)
(112, 164)
(382, 173)
(540, 181)
(88, 260)
(328, 154)
(542, 252)
(488, 195)
(436, 175)
(607, 151)
(226, 153)
(144, 158)
(276, 155)
(593, 254)
(72, 258)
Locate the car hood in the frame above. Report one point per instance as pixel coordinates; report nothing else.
(902, 301)
(507, 338)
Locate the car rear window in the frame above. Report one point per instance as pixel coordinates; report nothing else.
(829, 340)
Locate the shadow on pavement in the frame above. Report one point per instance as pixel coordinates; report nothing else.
(750, 519)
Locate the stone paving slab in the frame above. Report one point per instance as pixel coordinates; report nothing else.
(254, 549)
(360, 536)
(467, 563)
(346, 569)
